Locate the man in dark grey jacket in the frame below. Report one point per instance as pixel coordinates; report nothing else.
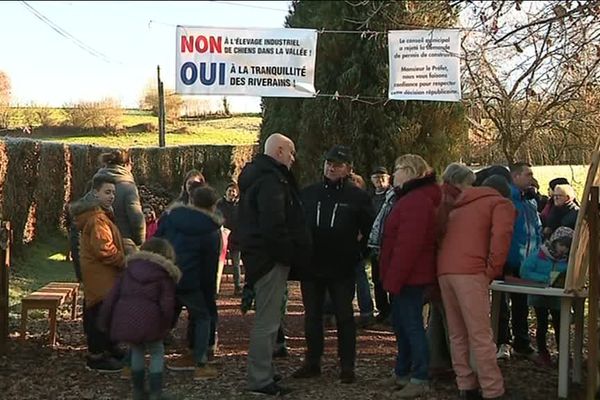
(274, 240)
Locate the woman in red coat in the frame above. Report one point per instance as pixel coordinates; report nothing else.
(407, 267)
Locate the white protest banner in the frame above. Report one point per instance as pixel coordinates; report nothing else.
(424, 65)
(252, 62)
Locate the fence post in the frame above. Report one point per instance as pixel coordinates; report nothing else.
(592, 216)
(161, 110)
(5, 244)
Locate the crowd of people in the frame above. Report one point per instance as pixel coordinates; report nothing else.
(427, 242)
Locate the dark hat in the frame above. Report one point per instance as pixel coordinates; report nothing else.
(558, 181)
(380, 170)
(483, 174)
(339, 153)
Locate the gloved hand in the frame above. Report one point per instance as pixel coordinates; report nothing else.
(247, 299)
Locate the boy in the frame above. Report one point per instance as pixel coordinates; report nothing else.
(102, 259)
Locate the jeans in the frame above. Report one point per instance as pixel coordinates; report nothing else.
(199, 308)
(157, 356)
(98, 341)
(382, 298)
(270, 292)
(407, 317)
(235, 261)
(520, 327)
(313, 298)
(363, 291)
(541, 315)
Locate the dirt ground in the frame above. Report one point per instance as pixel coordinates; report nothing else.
(33, 370)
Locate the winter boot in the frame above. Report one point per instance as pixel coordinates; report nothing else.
(137, 378)
(156, 387)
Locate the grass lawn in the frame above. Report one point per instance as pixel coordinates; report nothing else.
(41, 263)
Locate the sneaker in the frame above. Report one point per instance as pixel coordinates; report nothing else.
(118, 353)
(126, 373)
(412, 390)
(272, 389)
(396, 382)
(543, 360)
(205, 372)
(503, 352)
(183, 363)
(473, 394)
(104, 364)
(348, 376)
(307, 371)
(282, 352)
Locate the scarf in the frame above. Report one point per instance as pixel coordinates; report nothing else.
(377, 230)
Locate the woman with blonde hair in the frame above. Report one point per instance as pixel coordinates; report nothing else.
(407, 267)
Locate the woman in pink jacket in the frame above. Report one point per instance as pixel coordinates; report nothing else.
(472, 252)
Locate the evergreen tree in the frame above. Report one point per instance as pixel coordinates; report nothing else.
(354, 64)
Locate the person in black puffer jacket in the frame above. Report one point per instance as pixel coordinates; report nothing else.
(340, 216)
(275, 245)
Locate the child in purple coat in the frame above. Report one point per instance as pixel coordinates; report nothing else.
(139, 311)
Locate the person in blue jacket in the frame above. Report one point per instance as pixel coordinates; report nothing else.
(527, 236)
(194, 231)
(548, 265)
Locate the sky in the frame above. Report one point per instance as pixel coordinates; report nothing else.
(124, 46)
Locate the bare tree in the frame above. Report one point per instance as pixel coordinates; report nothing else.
(530, 69)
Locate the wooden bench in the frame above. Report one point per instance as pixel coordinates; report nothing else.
(49, 297)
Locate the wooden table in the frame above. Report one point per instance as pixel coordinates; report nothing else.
(567, 300)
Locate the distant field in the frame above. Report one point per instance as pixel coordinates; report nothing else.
(236, 130)
(130, 117)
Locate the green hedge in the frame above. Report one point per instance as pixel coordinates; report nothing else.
(37, 179)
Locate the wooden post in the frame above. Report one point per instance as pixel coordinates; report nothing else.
(161, 110)
(592, 216)
(5, 243)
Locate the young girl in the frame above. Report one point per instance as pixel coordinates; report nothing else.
(151, 221)
(550, 260)
(140, 308)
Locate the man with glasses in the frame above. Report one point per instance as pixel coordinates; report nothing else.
(339, 216)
